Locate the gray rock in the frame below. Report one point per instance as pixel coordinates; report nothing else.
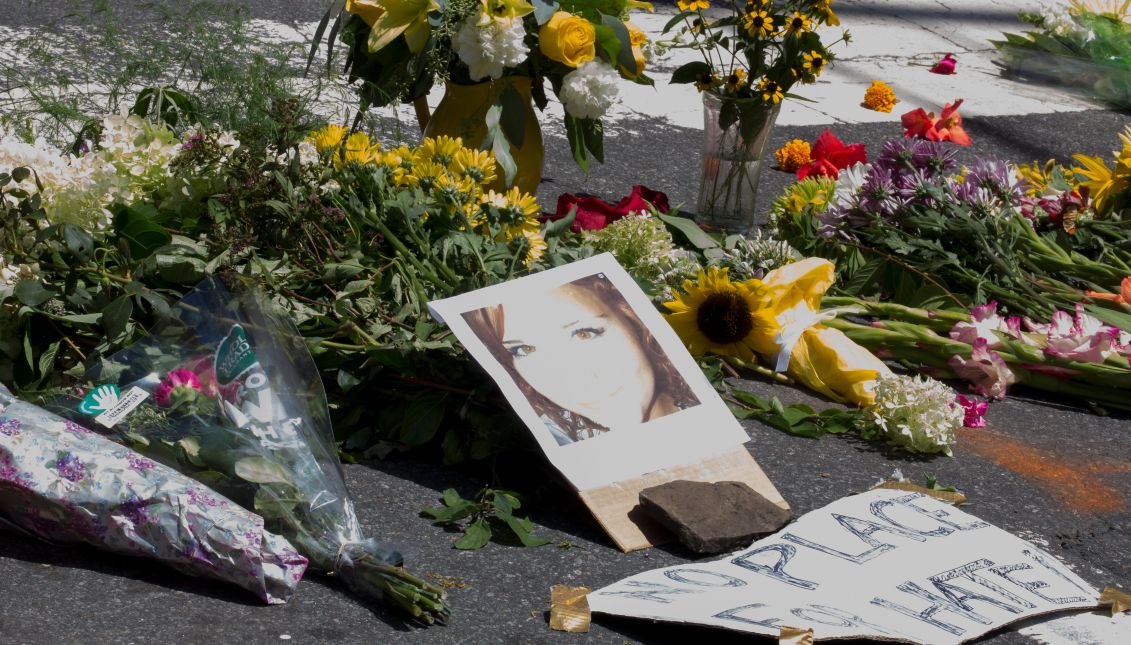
(713, 518)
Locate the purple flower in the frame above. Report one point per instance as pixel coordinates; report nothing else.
(914, 155)
(70, 468)
(192, 141)
(10, 427)
(878, 194)
(990, 181)
(139, 463)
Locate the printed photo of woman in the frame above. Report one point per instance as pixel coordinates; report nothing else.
(583, 359)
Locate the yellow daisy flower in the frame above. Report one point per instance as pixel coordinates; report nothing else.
(880, 97)
(425, 175)
(693, 5)
(479, 165)
(736, 81)
(441, 149)
(537, 245)
(328, 138)
(707, 81)
(759, 23)
(714, 315)
(1101, 182)
(793, 155)
(770, 90)
(798, 24)
(357, 149)
(823, 12)
(814, 62)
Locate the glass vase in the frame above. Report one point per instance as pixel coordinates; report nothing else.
(735, 135)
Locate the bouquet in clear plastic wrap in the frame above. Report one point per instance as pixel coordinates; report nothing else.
(63, 483)
(224, 389)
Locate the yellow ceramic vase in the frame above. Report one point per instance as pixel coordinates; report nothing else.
(463, 113)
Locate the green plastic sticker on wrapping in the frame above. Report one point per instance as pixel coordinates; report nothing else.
(234, 356)
(100, 399)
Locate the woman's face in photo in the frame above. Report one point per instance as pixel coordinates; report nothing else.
(580, 355)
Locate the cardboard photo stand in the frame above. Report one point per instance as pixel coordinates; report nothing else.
(607, 389)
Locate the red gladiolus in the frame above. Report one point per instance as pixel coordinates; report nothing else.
(594, 214)
(830, 156)
(945, 66)
(945, 127)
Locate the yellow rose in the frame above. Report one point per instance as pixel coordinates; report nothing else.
(636, 38)
(568, 39)
(367, 10)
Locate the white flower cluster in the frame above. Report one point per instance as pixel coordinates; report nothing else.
(640, 242)
(132, 159)
(755, 255)
(1059, 22)
(917, 413)
(487, 46)
(588, 91)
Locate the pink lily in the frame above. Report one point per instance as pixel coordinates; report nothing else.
(985, 370)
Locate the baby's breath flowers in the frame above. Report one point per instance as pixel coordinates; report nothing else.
(917, 413)
(793, 155)
(880, 97)
(640, 242)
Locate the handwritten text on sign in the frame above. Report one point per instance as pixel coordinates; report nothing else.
(885, 564)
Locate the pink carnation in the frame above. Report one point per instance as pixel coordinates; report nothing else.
(173, 381)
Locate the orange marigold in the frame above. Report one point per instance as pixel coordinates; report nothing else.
(880, 97)
(793, 155)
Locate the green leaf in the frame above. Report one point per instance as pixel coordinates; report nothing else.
(136, 225)
(180, 269)
(32, 293)
(690, 72)
(116, 315)
(576, 138)
(1110, 316)
(521, 528)
(260, 470)
(422, 418)
(624, 57)
(559, 227)
(451, 497)
(513, 116)
(347, 381)
(476, 537)
(690, 230)
(78, 241)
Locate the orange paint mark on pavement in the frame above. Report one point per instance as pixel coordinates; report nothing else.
(1073, 484)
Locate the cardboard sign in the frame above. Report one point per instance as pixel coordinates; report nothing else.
(885, 564)
(605, 386)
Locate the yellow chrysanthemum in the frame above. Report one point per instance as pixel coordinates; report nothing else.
(1037, 176)
(735, 81)
(798, 24)
(479, 165)
(357, 149)
(880, 97)
(328, 138)
(693, 5)
(793, 155)
(425, 175)
(714, 315)
(1101, 182)
(759, 24)
(441, 149)
(814, 62)
(770, 90)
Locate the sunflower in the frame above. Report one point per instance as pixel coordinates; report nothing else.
(770, 90)
(328, 138)
(715, 315)
(759, 23)
(736, 81)
(479, 165)
(798, 24)
(814, 63)
(441, 149)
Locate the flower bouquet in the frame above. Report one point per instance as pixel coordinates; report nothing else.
(398, 49)
(224, 390)
(63, 483)
(1084, 43)
(750, 60)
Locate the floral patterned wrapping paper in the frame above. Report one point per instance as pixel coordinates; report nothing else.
(63, 483)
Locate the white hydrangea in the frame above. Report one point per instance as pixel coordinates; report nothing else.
(589, 91)
(917, 413)
(489, 46)
(50, 167)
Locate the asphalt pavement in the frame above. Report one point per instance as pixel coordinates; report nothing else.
(1048, 471)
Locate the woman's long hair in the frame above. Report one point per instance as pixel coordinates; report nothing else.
(489, 324)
